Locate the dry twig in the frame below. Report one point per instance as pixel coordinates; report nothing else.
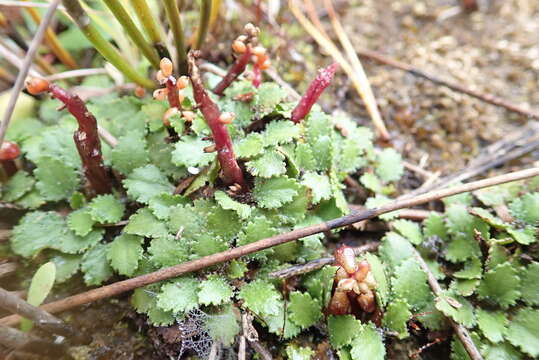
(19, 83)
(210, 260)
(368, 96)
(488, 98)
(41, 318)
(460, 330)
(313, 265)
(76, 73)
(510, 147)
(16, 339)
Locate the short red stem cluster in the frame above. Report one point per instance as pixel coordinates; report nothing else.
(86, 137)
(235, 70)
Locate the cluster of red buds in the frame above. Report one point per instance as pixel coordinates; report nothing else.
(354, 284)
(173, 91)
(245, 46)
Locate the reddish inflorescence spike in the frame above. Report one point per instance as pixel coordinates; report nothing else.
(355, 284)
(232, 173)
(173, 93)
(235, 70)
(257, 75)
(86, 136)
(319, 84)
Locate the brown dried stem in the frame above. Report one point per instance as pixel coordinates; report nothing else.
(360, 83)
(210, 260)
(488, 98)
(313, 265)
(23, 72)
(460, 330)
(368, 98)
(41, 318)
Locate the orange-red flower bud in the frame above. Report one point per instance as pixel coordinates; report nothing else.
(166, 67)
(36, 85)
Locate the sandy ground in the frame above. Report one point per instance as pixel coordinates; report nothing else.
(492, 51)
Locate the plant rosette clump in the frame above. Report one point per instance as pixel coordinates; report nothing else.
(170, 199)
(170, 203)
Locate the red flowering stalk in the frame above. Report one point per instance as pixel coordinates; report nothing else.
(261, 62)
(9, 151)
(235, 70)
(242, 46)
(86, 137)
(355, 284)
(173, 88)
(319, 84)
(257, 75)
(232, 174)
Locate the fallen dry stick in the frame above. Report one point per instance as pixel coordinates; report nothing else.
(313, 265)
(41, 319)
(210, 260)
(25, 67)
(460, 330)
(488, 98)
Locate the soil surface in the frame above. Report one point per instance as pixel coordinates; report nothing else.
(494, 50)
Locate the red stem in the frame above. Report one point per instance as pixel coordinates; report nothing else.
(9, 167)
(232, 173)
(257, 75)
(173, 97)
(86, 139)
(235, 70)
(319, 84)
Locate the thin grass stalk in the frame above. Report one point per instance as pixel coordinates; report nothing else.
(330, 48)
(204, 24)
(15, 59)
(12, 55)
(52, 41)
(110, 53)
(368, 96)
(12, 33)
(173, 16)
(144, 15)
(214, 15)
(133, 32)
(151, 28)
(25, 67)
